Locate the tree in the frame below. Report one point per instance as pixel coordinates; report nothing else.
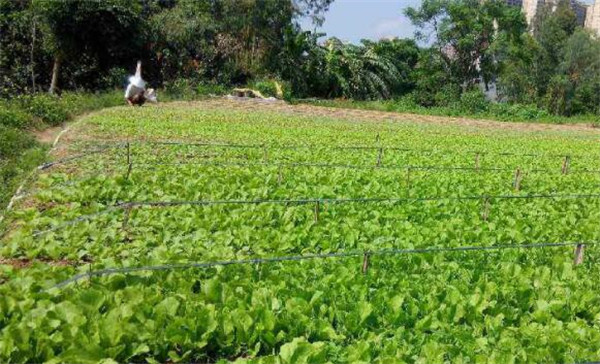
(103, 32)
(301, 62)
(358, 71)
(404, 55)
(551, 29)
(576, 86)
(464, 31)
(20, 52)
(516, 81)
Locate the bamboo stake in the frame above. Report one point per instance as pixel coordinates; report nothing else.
(126, 213)
(279, 176)
(579, 251)
(365, 265)
(565, 165)
(128, 154)
(129, 168)
(477, 162)
(379, 157)
(317, 206)
(486, 209)
(517, 181)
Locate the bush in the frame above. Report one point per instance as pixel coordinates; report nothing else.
(13, 116)
(512, 112)
(46, 107)
(181, 88)
(77, 103)
(13, 142)
(447, 95)
(265, 87)
(406, 103)
(473, 102)
(271, 87)
(208, 89)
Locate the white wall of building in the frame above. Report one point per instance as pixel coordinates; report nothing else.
(592, 20)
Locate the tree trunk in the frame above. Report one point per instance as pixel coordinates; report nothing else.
(55, 70)
(32, 55)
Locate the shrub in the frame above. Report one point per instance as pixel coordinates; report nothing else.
(13, 142)
(77, 103)
(12, 116)
(207, 89)
(473, 102)
(272, 88)
(46, 107)
(180, 88)
(265, 87)
(406, 103)
(445, 96)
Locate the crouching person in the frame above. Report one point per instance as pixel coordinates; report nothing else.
(136, 93)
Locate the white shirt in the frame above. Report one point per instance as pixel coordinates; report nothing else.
(133, 90)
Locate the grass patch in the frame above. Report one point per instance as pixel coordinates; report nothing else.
(20, 152)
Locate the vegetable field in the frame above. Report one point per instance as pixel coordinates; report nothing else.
(202, 233)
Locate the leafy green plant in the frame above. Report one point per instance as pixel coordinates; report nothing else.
(45, 107)
(12, 116)
(415, 308)
(474, 102)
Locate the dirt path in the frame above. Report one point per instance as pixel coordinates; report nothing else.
(47, 136)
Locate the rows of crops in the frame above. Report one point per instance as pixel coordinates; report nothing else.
(240, 186)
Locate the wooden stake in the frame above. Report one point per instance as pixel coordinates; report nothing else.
(279, 176)
(517, 181)
(565, 165)
(477, 162)
(126, 213)
(579, 250)
(379, 157)
(317, 211)
(365, 265)
(486, 209)
(129, 168)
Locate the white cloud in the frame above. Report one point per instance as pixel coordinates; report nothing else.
(399, 26)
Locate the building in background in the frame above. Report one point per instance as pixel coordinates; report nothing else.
(588, 16)
(592, 20)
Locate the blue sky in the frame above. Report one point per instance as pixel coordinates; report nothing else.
(351, 20)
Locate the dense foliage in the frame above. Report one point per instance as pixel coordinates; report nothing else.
(512, 306)
(471, 46)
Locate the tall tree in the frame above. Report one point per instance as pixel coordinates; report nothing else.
(576, 86)
(552, 26)
(463, 32)
(106, 32)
